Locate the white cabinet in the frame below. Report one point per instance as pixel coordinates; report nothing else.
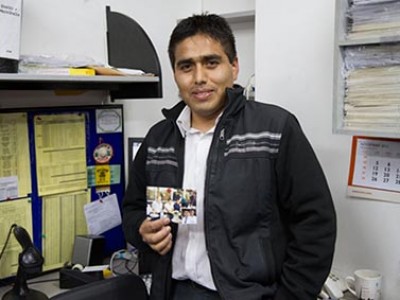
(367, 68)
(119, 87)
(128, 46)
(228, 6)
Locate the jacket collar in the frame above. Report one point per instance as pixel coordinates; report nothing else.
(235, 101)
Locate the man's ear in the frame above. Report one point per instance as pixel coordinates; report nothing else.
(235, 68)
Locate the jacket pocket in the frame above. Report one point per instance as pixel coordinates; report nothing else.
(258, 263)
(165, 176)
(270, 260)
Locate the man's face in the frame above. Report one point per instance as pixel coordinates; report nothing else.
(202, 72)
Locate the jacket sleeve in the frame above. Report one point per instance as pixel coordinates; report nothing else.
(307, 209)
(134, 202)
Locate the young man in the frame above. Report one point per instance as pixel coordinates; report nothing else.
(265, 219)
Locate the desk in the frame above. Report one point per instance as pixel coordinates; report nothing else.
(50, 288)
(348, 296)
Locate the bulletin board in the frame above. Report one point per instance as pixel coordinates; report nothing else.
(76, 156)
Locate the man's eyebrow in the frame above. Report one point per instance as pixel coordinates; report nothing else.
(184, 62)
(211, 57)
(202, 58)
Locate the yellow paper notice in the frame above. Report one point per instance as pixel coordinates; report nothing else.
(15, 174)
(60, 142)
(13, 212)
(63, 219)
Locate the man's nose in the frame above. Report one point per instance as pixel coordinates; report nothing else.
(200, 75)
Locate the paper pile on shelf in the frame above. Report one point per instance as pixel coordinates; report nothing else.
(372, 80)
(360, 2)
(373, 18)
(71, 65)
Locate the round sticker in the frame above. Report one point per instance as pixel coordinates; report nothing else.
(103, 153)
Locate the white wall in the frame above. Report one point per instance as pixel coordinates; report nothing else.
(294, 69)
(245, 43)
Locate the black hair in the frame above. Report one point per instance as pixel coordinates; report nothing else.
(211, 25)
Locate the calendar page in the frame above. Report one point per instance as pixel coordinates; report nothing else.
(375, 169)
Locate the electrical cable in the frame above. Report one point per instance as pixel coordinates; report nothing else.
(126, 261)
(123, 262)
(249, 89)
(7, 239)
(2, 283)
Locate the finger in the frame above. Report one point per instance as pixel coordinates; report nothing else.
(153, 238)
(165, 221)
(164, 245)
(149, 226)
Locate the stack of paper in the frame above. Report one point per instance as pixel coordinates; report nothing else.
(72, 65)
(374, 18)
(59, 71)
(372, 80)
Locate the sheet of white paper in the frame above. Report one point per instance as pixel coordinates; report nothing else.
(8, 187)
(103, 214)
(10, 28)
(95, 268)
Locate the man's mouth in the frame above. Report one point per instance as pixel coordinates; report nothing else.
(202, 94)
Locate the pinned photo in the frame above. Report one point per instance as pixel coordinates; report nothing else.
(177, 204)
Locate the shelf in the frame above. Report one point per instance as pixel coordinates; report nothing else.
(363, 100)
(369, 41)
(128, 46)
(119, 87)
(376, 132)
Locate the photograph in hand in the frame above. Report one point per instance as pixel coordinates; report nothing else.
(177, 204)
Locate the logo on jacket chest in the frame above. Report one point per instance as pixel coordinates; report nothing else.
(161, 156)
(264, 142)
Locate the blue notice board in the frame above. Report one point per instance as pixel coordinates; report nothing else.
(104, 131)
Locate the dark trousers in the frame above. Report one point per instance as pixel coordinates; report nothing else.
(187, 289)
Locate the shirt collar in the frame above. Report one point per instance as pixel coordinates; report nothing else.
(184, 122)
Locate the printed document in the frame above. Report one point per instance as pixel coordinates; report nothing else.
(13, 212)
(15, 171)
(62, 213)
(60, 142)
(103, 214)
(375, 169)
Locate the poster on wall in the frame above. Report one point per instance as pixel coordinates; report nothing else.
(375, 169)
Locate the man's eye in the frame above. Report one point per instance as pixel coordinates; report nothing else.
(185, 67)
(212, 63)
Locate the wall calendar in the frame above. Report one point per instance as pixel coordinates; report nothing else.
(375, 169)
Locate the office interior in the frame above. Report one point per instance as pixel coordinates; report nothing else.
(287, 45)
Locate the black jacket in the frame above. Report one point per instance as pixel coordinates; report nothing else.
(270, 223)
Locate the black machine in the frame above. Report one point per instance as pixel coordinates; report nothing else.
(30, 263)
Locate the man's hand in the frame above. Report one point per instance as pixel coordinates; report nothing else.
(157, 234)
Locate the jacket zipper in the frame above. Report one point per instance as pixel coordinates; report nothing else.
(212, 160)
(222, 135)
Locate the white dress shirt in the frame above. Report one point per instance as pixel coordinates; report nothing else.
(190, 259)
